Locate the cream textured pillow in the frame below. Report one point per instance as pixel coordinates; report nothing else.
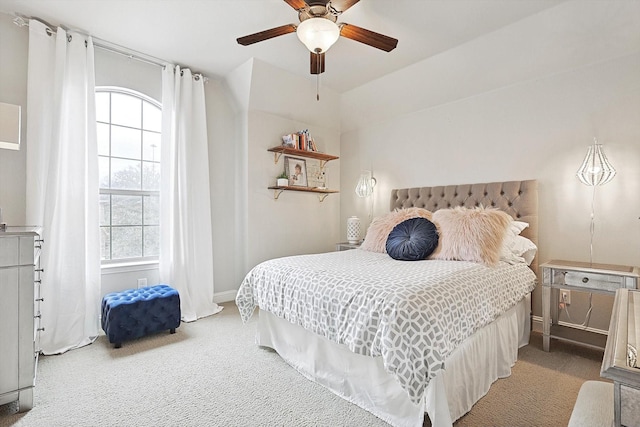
(471, 234)
(378, 232)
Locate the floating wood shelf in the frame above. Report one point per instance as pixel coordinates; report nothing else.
(322, 192)
(280, 150)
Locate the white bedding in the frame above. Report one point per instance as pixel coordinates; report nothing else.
(411, 314)
(469, 371)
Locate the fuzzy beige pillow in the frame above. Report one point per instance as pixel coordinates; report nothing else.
(378, 232)
(470, 234)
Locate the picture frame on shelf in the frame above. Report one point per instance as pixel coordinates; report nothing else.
(296, 169)
(287, 141)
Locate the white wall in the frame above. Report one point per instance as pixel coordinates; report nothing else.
(221, 127)
(113, 69)
(296, 222)
(14, 42)
(279, 103)
(532, 118)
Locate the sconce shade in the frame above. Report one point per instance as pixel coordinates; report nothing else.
(365, 184)
(318, 34)
(595, 169)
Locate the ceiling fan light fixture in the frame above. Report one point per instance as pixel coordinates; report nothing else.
(318, 34)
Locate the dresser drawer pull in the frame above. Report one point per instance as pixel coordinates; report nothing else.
(39, 299)
(40, 270)
(40, 329)
(37, 316)
(585, 279)
(37, 281)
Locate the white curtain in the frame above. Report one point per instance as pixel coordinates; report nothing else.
(186, 249)
(62, 183)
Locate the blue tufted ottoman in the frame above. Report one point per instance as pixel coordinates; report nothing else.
(134, 313)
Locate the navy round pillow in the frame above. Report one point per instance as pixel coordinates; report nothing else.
(412, 240)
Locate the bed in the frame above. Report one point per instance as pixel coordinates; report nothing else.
(401, 339)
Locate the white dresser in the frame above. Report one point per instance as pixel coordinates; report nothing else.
(20, 300)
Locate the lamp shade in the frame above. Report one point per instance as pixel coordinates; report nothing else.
(318, 34)
(595, 169)
(365, 185)
(353, 229)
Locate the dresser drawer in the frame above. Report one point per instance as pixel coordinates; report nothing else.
(9, 251)
(16, 250)
(594, 280)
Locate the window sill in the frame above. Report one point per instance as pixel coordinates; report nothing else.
(123, 267)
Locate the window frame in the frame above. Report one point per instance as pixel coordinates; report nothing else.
(133, 261)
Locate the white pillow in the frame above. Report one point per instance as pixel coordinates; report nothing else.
(516, 227)
(507, 252)
(525, 249)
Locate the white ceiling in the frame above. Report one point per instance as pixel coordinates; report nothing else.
(201, 34)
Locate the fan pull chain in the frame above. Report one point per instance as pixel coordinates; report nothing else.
(318, 75)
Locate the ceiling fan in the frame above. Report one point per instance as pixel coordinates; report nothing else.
(318, 30)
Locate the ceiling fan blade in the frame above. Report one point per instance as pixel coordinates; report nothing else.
(317, 62)
(342, 5)
(371, 38)
(266, 34)
(296, 4)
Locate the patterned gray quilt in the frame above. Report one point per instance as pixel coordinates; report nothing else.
(411, 313)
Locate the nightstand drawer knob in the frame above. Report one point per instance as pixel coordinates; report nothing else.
(585, 279)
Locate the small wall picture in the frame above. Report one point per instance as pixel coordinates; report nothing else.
(287, 141)
(296, 170)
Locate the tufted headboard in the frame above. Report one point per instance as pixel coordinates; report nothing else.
(518, 198)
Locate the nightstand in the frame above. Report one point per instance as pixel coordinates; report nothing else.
(345, 246)
(583, 277)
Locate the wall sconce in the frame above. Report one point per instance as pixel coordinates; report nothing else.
(365, 184)
(10, 126)
(594, 171)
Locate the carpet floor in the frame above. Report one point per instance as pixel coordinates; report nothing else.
(210, 373)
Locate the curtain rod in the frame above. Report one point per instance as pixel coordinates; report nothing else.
(21, 21)
(131, 54)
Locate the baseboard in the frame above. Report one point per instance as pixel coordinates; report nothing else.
(537, 326)
(536, 323)
(225, 296)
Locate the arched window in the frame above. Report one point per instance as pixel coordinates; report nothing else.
(129, 128)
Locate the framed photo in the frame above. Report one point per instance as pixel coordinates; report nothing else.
(287, 141)
(296, 170)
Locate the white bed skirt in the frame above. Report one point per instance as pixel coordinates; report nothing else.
(480, 360)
